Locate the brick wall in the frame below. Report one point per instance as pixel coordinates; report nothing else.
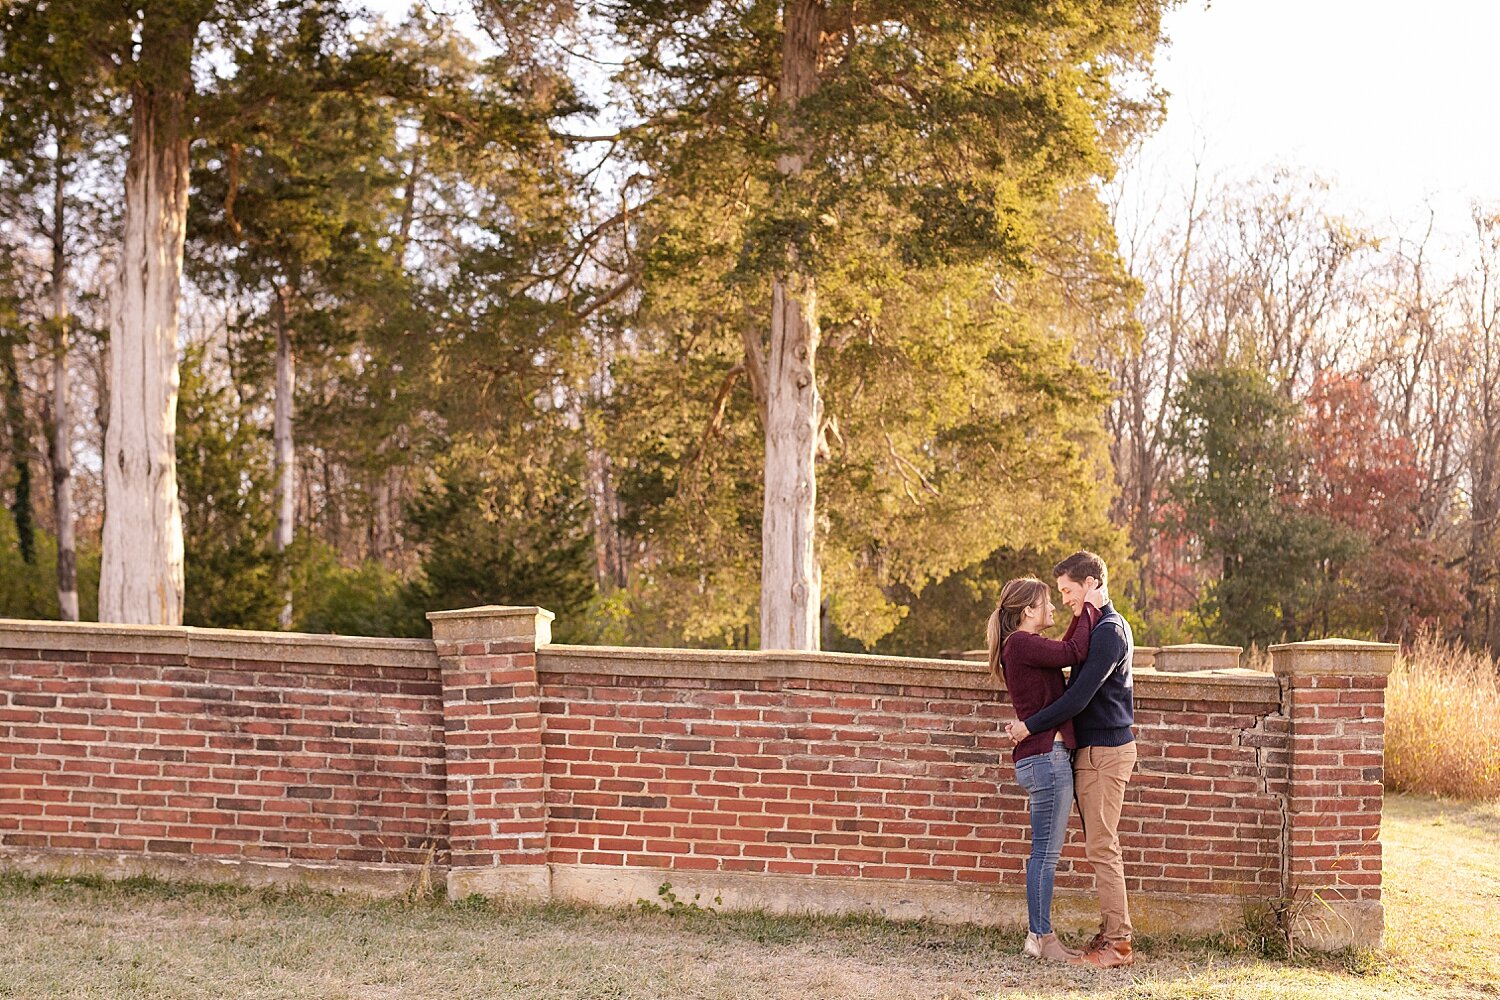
(669, 763)
(1335, 695)
(183, 749)
(824, 782)
(493, 724)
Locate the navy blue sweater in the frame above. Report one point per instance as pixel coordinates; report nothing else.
(1100, 698)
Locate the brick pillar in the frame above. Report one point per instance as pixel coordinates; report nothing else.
(493, 744)
(1333, 692)
(1196, 656)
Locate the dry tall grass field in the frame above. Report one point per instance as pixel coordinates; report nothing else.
(152, 940)
(1442, 732)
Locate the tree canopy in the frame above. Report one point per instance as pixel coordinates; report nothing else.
(693, 321)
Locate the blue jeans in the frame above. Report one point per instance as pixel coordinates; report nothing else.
(1048, 780)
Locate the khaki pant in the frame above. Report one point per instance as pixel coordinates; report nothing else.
(1100, 775)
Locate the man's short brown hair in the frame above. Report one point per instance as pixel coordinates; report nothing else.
(1080, 566)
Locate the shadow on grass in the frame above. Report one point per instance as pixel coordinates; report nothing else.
(1480, 817)
(758, 927)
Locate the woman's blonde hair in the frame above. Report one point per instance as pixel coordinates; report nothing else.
(1016, 596)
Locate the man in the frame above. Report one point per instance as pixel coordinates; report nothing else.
(1100, 701)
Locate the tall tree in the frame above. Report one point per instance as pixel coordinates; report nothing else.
(790, 580)
(62, 414)
(291, 209)
(862, 168)
(147, 50)
(1159, 249)
(142, 576)
(428, 212)
(1240, 495)
(1415, 354)
(1389, 580)
(58, 101)
(1480, 429)
(18, 439)
(1257, 272)
(231, 576)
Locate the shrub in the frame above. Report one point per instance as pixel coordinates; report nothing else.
(1442, 733)
(366, 599)
(29, 590)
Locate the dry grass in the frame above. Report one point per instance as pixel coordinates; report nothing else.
(77, 939)
(1442, 891)
(1442, 733)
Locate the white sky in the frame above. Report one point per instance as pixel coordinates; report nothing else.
(1393, 103)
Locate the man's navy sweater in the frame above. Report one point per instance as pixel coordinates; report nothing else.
(1100, 698)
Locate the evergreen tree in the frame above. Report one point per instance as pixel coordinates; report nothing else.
(505, 540)
(147, 52)
(862, 228)
(290, 209)
(57, 123)
(1240, 497)
(477, 377)
(17, 426)
(232, 572)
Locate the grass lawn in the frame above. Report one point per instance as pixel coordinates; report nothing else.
(114, 940)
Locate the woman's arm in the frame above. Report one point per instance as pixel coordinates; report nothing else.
(1033, 650)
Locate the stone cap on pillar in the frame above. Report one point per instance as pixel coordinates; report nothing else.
(493, 623)
(1196, 656)
(1333, 657)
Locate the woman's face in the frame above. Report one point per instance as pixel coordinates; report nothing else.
(1041, 612)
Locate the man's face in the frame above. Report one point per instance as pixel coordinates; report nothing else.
(1072, 593)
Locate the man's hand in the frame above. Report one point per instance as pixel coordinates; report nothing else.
(1016, 730)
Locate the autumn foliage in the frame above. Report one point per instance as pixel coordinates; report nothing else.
(1306, 514)
(1364, 481)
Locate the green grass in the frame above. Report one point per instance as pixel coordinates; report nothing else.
(90, 938)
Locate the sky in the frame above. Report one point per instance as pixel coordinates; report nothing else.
(1394, 104)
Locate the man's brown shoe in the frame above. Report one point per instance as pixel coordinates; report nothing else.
(1110, 955)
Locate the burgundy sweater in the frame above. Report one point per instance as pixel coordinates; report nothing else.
(1033, 676)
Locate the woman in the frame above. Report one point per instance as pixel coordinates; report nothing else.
(1032, 667)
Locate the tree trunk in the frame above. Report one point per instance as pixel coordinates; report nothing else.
(332, 514)
(62, 416)
(286, 465)
(20, 456)
(409, 197)
(619, 572)
(1483, 556)
(380, 520)
(141, 577)
(604, 515)
(790, 579)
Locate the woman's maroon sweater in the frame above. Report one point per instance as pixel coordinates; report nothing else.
(1033, 676)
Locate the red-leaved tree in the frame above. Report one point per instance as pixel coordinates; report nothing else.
(1366, 481)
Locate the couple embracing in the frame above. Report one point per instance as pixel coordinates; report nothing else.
(1072, 738)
